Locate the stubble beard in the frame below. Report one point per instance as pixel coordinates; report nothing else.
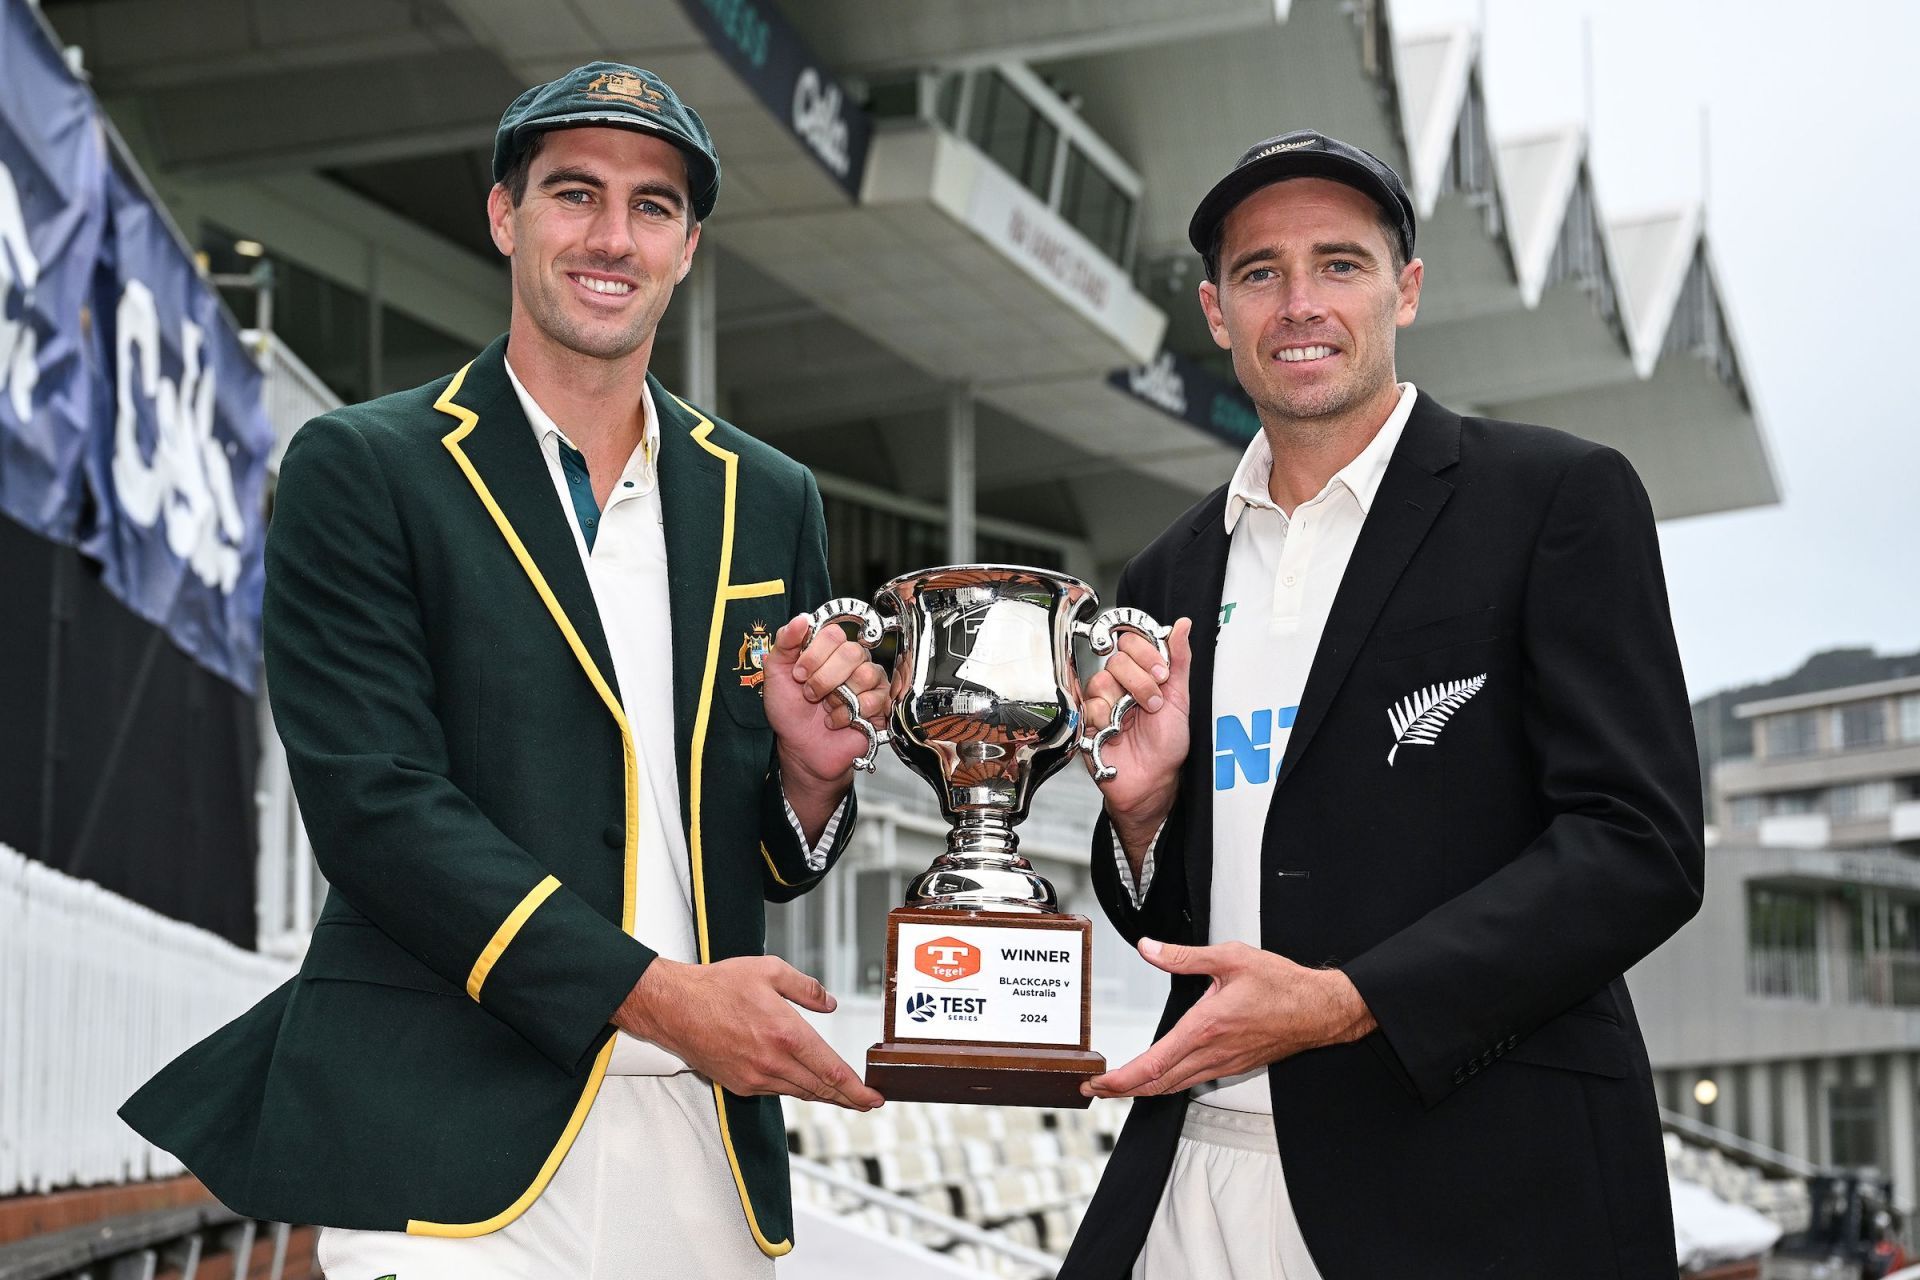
(1314, 412)
(602, 341)
(1310, 414)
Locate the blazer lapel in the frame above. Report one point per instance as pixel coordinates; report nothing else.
(1202, 576)
(693, 496)
(495, 448)
(1410, 497)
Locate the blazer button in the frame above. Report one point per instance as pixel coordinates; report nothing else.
(615, 836)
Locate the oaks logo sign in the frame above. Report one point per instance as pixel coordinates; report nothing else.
(947, 959)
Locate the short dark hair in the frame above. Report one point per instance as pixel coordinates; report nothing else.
(1396, 251)
(515, 178)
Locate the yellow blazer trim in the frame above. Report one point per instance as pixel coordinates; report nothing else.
(463, 1230)
(505, 933)
(468, 420)
(723, 591)
(773, 870)
(753, 590)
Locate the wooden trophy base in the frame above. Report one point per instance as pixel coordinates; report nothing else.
(964, 991)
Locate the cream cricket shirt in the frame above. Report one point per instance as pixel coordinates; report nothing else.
(624, 549)
(1282, 574)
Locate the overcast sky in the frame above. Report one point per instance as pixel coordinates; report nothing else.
(1812, 203)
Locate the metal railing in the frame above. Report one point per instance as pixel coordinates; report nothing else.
(1877, 979)
(902, 1216)
(1779, 1164)
(294, 394)
(137, 1247)
(96, 994)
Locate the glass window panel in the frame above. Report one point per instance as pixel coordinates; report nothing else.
(946, 103)
(1863, 724)
(1013, 134)
(1042, 143)
(1910, 718)
(875, 892)
(1853, 1112)
(1793, 733)
(1095, 205)
(1860, 800)
(1782, 929)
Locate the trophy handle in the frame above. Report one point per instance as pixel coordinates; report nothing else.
(1102, 640)
(872, 627)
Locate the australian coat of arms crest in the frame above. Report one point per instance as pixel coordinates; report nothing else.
(750, 665)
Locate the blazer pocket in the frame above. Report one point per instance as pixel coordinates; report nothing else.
(1470, 627)
(754, 612)
(349, 951)
(1577, 1041)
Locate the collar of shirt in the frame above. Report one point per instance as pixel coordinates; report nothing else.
(644, 458)
(1361, 477)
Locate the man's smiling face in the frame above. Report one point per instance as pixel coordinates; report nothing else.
(1308, 298)
(598, 239)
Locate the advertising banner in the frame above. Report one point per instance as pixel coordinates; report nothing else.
(771, 58)
(177, 458)
(1184, 389)
(51, 163)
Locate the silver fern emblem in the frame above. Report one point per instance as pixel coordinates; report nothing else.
(1419, 717)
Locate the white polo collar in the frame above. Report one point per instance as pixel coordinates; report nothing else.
(1361, 477)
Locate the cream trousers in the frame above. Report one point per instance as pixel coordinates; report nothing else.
(1225, 1214)
(645, 1193)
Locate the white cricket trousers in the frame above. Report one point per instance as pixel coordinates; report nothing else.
(1225, 1214)
(645, 1193)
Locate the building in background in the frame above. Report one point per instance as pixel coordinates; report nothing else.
(1795, 993)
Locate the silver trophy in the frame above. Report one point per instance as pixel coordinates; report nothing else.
(986, 707)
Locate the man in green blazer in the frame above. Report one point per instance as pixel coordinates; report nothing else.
(554, 751)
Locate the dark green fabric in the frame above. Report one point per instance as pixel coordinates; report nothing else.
(450, 753)
(586, 511)
(620, 96)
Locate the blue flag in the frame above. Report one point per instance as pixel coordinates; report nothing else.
(177, 460)
(52, 162)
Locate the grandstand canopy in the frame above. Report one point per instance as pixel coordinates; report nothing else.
(1009, 230)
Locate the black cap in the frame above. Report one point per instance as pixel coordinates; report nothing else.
(1304, 153)
(621, 97)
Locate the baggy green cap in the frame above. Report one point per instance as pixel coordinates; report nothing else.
(618, 96)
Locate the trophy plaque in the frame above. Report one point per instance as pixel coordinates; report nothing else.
(987, 983)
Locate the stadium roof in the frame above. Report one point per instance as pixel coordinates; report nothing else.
(846, 318)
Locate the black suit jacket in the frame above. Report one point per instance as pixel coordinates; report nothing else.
(1484, 891)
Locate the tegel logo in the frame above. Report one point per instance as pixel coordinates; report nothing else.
(920, 1007)
(1244, 750)
(947, 959)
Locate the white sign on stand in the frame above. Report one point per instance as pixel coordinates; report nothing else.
(988, 983)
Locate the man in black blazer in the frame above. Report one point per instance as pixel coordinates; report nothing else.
(1418, 790)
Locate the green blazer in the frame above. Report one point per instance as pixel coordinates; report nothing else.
(441, 680)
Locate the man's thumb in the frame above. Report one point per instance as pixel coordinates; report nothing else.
(790, 639)
(1174, 958)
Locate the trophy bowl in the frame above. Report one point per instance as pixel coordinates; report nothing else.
(986, 707)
